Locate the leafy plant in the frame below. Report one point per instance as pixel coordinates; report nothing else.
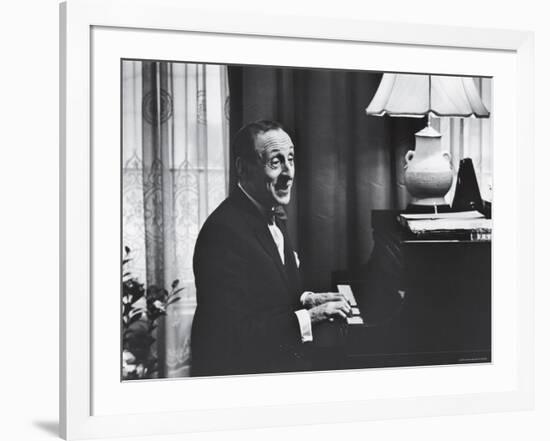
(141, 310)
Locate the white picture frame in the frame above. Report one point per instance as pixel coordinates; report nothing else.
(80, 395)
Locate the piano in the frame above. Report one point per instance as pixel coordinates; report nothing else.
(416, 302)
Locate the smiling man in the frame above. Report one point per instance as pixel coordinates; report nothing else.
(252, 315)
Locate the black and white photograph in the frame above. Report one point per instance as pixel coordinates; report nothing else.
(278, 219)
(296, 220)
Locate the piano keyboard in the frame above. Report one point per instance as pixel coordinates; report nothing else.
(346, 291)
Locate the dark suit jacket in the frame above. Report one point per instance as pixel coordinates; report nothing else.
(246, 297)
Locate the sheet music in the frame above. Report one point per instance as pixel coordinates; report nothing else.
(474, 214)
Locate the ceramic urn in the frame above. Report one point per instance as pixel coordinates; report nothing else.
(428, 170)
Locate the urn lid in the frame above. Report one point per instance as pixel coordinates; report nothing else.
(428, 132)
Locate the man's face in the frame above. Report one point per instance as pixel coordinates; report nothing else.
(270, 180)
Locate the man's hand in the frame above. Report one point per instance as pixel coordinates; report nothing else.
(329, 310)
(315, 299)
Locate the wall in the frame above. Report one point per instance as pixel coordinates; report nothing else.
(29, 185)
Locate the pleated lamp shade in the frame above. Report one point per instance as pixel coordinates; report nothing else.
(409, 95)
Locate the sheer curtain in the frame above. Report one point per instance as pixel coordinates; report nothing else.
(471, 138)
(175, 145)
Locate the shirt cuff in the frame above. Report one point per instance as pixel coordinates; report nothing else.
(305, 325)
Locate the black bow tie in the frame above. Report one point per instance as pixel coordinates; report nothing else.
(276, 213)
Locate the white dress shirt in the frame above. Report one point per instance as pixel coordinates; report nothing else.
(304, 320)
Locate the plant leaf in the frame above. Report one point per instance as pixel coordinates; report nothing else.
(175, 292)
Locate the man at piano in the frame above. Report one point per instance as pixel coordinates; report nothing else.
(252, 315)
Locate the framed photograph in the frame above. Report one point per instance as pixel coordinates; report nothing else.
(257, 206)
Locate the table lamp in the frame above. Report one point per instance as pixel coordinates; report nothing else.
(428, 170)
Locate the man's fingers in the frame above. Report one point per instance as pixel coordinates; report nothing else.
(336, 296)
(342, 314)
(342, 297)
(344, 306)
(330, 295)
(340, 308)
(325, 297)
(337, 312)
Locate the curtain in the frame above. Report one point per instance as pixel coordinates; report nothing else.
(471, 138)
(347, 164)
(175, 161)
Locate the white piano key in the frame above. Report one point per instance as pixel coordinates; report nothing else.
(355, 320)
(346, 291)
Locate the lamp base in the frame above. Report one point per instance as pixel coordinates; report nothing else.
(428, 201)
(428, 174)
